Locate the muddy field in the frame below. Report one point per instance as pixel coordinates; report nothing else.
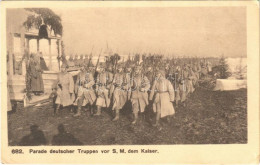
(209, 118)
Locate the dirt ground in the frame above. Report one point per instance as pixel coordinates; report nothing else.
(209, 118)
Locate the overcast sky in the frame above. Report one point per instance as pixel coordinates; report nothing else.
(182, 31)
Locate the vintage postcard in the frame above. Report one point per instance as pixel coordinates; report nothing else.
(142, 82)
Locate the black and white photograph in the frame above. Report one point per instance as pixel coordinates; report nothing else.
(126, 76)
(111, 76)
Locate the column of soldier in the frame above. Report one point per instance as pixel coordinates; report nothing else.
(147, 83)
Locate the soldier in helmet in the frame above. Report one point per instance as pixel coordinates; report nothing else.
(71, 63)
(180, 87)
(86, 60)
(81, 61)
(149, 74)
(162, 96)
(91, 69)
(76, 60)
(139, 97)
(128, 80)
(119, 94)
(102, 88)
(65, 89)
(84, 90)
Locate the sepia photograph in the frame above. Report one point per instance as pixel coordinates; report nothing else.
(145, 75)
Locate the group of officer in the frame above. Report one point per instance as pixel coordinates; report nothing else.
(145, 86)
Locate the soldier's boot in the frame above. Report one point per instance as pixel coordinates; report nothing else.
(184, 104)
(78, 112)
(143, 117)
(71, 109)
(168, 118)
(157, 119)
(116, 115)
(91, 110)
(56, 109)
(135, 118)
(98, 111)
(177, 103)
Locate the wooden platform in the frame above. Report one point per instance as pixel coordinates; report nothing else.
(17, 88)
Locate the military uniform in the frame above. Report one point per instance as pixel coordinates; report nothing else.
(71, 63)
(162, 95)
(65, 89)
(180, 87)
(76, 60)
(139, 97)
(119, 96)
(86, 60)
(36, 74)
(104, 80)
(102, 88)
(81, 61)
(84, 90)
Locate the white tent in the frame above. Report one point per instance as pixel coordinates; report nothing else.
(238, 70)
(229, 84)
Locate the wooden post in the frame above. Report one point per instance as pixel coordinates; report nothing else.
(50, 63)
(23, 51)
(38, 45)
(10, 49)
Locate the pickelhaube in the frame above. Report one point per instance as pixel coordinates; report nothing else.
(64, 65)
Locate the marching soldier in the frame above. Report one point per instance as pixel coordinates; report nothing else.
(86, 60)
(149, 74)
(104, 79)
(180, 87)
(81, 61)
(65, 89)
(139, 97)
(119, 93)
(71, 63)
(128, 81)
(84, 90)
(76, 60)
(162, 96)
(91, 69)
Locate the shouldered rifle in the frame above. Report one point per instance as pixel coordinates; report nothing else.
(98, 60)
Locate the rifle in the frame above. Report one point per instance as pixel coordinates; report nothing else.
(98, 61)
(92, 50)
(90, 59)
(114, 74)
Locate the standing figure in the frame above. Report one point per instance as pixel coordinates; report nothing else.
(127, 81)
(36, 75)
(149, 74)
(81, 61)
(139, 97)
(209, 67)
(204, 71)
(42, 62)
(162, 96)
(180, 87)
(65, 89)
(119, 96)
(84, 90)
(187, 80)
(85, 62)
(76, 60)
(71, 63)
(102, 88)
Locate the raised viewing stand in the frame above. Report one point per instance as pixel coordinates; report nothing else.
(17, 87)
